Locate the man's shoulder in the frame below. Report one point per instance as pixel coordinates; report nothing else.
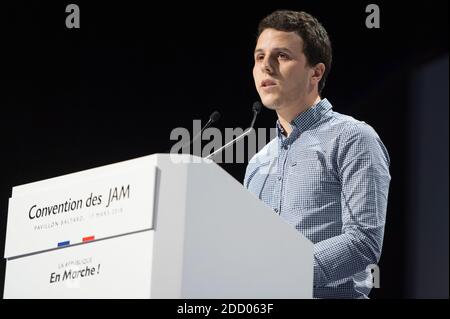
(346, 126)
(266, 154)
(356, 138)
(261, 159)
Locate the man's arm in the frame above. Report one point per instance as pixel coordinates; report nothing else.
(363, 167)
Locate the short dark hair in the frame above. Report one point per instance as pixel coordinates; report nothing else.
(316, 43)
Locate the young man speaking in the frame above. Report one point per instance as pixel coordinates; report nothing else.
(325, 173)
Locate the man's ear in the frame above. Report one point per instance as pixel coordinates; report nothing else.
(318, 72)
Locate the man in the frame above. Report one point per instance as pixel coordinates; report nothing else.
(325, 173)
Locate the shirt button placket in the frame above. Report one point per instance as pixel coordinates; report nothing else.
(283, 155)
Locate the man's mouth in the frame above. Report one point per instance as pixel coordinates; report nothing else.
(268, 83)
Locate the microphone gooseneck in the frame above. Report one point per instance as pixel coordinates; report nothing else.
(214, 117)
(256, 109)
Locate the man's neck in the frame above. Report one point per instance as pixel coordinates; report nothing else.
(287, 114)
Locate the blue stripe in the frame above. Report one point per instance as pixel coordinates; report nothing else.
(64, 243)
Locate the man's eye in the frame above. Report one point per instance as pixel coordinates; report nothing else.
(283, 56)
(259, 57)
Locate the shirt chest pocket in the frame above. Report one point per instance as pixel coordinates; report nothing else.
(310, 182)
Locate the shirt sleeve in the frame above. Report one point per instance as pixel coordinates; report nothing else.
(363, 167)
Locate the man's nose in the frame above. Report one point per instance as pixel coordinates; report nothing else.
(266, 66)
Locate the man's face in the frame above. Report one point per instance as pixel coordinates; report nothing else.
(281, 72)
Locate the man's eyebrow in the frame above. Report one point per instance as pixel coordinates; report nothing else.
(274, 49)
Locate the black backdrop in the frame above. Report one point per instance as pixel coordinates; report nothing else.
(115, 88)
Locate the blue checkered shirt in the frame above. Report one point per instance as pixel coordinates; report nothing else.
(329, 179)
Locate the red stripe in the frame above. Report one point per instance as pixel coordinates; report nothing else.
(88, 238)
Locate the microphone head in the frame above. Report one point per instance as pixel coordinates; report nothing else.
(214, 117)
(257, 107)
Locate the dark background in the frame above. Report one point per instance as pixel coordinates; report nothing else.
(114, 89)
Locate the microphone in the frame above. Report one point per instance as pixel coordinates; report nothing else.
(256, 109)
(214, 117)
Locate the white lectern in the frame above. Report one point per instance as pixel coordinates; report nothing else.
(159, 226)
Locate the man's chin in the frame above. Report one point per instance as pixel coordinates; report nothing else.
(269, 103)
(270, 106)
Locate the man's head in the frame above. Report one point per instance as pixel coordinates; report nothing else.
(292, 58)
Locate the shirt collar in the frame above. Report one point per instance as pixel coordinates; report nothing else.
(305, 119)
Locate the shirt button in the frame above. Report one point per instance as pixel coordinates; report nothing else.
(279, 178)
(293, 163)
(276, 210)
